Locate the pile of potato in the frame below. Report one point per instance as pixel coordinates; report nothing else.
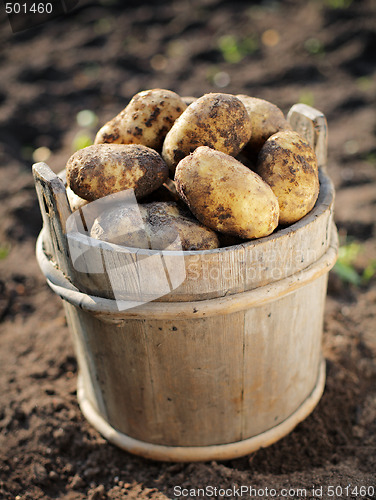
(212, 171)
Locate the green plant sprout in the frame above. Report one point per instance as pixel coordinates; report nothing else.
(88, 120)
(364, 83)
(370, 158)
(344, 267)
(4, 250)
(337, 4)
(234, 50)
(81, 140)
(314, 46)
(369, 272)
(307, 97)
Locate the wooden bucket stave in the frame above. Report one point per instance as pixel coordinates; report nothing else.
(216, 368)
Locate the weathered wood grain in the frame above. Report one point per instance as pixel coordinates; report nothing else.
(311, 124)
(55, 211)
(225, 363)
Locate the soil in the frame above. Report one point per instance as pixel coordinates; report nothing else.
(96, 57)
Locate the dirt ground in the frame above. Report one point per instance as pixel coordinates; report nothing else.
(321, 52)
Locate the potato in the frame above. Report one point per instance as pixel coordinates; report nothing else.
(288, 164)
(266, 120)
(146, 120)
(153, 225)
(219, 121)
(225, 195)
(102, 169)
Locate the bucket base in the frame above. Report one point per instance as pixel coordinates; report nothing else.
(200, 453)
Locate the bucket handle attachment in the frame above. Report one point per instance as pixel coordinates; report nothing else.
(55, 210)
(312, 125)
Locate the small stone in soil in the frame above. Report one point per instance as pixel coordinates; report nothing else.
(97, 493)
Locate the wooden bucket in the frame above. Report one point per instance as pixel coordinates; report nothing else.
(228, 362)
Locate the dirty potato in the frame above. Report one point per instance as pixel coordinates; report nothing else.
(103, 169)
(219, 121)
(266, 119)
(157, 225)
(146, 120)
(288, 164)
(225, 195)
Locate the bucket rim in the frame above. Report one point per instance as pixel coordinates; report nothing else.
(107, 309)
(324, 202)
